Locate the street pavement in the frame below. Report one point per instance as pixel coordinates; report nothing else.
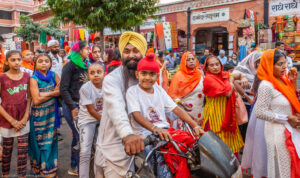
(64, 154)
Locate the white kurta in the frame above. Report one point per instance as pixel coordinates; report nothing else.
(114, 125)
(57, 64)
(273, 107)
(255, 149)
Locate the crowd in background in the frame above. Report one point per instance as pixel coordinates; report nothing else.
(211, 93)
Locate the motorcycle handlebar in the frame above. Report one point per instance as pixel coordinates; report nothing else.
(149, 140)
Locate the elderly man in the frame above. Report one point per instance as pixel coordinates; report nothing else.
(57, 62)
(222, 57)
(116, 137)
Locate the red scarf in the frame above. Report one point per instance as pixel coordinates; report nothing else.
(219, 85)
(114, 63)
(178, 164)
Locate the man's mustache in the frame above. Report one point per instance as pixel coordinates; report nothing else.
(129, 59)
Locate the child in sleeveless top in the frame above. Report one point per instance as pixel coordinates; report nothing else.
(14, 112)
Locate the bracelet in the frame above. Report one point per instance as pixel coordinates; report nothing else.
(177, 100)
(153, 128)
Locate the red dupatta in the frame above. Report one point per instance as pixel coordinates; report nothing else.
(219, 85)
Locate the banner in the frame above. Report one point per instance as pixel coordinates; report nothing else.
(150, 23)
(167, 34)
(159, 30)
(210, 16)
(174, 35)
(283, 7)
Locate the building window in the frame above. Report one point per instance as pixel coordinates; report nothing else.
(4, 30)
(25, 13)
(5, 15)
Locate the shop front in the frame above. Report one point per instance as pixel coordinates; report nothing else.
(213, 30)
(214, 39)
(285, 19)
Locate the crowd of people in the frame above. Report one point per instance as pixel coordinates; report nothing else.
(131, 92)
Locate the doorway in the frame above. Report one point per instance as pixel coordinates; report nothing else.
(214, 39)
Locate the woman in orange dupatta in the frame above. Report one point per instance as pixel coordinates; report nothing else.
(186, 88)
(27, 65)
(219, 109)
(278, 105)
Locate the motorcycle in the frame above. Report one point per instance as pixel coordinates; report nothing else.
(209, 157)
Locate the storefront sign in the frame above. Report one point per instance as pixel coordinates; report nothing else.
(150, 23)
(109, 31)
(284, 7)
(210, 16)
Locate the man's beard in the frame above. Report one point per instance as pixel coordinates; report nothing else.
(130, 68)
(54, 52)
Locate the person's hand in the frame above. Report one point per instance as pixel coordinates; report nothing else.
(133, 144)
(294, 121)
(244, 83)
(162, 133)
(198, 132)
(293, 75)
(23, 121)
(17, 125)
(75, 112)
(185, 106)
(250, 101)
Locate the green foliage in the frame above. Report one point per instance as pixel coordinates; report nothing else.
(29, 30)
(260, 25)
(98, 14)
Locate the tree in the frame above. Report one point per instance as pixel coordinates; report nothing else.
(29, 30)
(99, 14)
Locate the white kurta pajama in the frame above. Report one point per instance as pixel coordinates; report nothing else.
(273, 107)
(114, 126)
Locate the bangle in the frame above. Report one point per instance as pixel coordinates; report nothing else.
(154, 126)
(177, 100)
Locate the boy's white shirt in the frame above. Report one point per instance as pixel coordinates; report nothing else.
(151, 106)
(89, 94)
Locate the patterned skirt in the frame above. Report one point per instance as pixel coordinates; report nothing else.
(214, 113)
(43, 143)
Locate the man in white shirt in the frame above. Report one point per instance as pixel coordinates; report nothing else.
(222, 57)
(57, 62)
(116, 139)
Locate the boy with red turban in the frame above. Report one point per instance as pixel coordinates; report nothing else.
(146, 104)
